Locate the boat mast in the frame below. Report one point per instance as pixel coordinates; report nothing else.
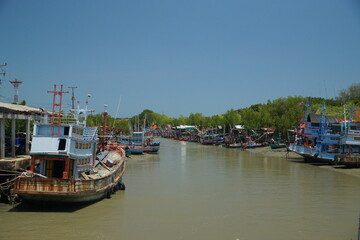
(345, 127)
(56, 110)
(103, 138)
(307, 106)
(322, 120)
(81, 114)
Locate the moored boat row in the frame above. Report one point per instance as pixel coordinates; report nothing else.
(326, 139)
(138, 143)
(238, 137)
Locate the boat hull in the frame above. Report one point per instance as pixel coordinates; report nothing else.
(276, 146)
(349, 160)
(311, 155)
(151, 149)
(34, 189)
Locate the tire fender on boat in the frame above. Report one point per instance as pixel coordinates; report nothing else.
(108, 192)
(121, 186)
(337, 159)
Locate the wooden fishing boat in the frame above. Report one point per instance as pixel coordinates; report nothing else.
(134, 143)
(252, 144)
(234, 145)
(151, 146)
(66, 164)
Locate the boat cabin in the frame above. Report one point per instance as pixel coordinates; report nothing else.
(63, 151)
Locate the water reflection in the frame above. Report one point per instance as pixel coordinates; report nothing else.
(191, 191)
(48, 207)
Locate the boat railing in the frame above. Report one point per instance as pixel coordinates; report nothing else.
(90, 185)
(354, 132)
(63, 121)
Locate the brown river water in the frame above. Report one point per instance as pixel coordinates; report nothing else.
(191, 191)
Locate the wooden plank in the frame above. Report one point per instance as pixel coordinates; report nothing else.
(83, 174)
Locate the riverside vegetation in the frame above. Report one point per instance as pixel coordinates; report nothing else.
(281, 113)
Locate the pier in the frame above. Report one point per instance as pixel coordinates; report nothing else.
(14, 113)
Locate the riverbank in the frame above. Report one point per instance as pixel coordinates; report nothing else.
(282, 153)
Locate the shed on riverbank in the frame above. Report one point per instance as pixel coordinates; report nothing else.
(17, 112)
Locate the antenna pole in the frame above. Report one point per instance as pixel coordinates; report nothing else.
(16, 85)
(72, 97)
(103, 139)
(3, 72)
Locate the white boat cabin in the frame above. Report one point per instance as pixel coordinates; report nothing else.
(63, 150)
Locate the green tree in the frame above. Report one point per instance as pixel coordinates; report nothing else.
(351, 94)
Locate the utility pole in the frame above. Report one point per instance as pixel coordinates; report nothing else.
(16, 85)
(2, 71)
(72, 97)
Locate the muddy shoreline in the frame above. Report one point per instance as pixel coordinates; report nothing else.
(282, 153)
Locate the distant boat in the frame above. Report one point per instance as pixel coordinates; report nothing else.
(276, 146)
(209, 139)
(151, 146)
(66, 164)
(234, 145)
(252, 144)
(134, 143)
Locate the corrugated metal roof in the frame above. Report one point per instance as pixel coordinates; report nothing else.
(315, 118)
(20, 109)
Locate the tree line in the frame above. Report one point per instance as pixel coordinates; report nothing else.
(281, 113)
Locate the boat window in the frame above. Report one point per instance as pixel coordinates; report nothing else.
(62, 144)
(66, 131)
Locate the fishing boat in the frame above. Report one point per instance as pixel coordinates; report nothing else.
(234, 145)
(316, 138)
(350, 149)
(151, 146)
(252, 144)
(134, 143)
(278, 145)
(349, 146)
(67, 163)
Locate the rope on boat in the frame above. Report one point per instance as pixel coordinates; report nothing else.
(5, 187)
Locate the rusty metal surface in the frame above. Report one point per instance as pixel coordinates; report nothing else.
(66, 186)
(44, 185)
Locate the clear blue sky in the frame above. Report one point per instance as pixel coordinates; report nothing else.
(179, 56)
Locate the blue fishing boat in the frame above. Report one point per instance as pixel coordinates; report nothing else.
(316, 138)
(349, 146)
(134, 143)
(252, 144)
(151, 146)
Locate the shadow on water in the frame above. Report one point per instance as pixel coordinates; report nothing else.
(345, 167)
(48, 207)
(307, 162)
